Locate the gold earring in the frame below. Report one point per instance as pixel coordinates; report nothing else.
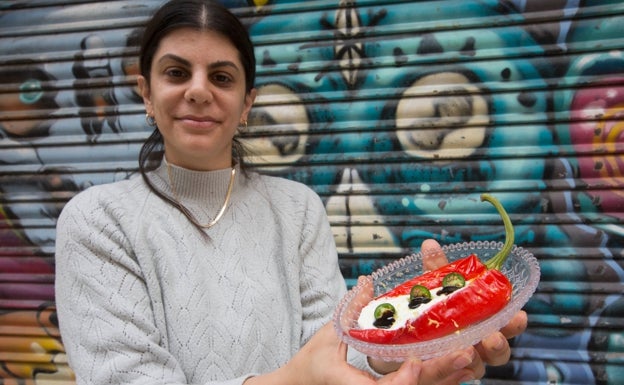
(244, 123)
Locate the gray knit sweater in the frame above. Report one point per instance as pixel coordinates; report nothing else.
(144, 297)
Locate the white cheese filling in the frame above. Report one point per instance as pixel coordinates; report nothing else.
(401, 304)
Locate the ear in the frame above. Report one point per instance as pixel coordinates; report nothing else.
(144, 89)
(250, 98)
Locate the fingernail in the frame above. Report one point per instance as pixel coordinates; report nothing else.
(466, 378)
(416, 368)
(462, 361)
(500, 342)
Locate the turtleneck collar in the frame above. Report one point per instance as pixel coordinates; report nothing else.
(201, 192)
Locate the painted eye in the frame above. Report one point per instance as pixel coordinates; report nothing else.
(278, 127)
(30, 91)
(442, 116)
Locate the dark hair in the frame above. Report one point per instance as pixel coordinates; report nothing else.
(202, 15)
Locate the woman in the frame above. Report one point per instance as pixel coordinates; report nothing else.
(199, 272)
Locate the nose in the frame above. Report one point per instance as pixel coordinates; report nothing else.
(198, 90)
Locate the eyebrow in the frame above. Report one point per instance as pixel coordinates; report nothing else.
(181, 60)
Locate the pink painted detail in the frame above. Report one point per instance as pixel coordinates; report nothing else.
(597, 133)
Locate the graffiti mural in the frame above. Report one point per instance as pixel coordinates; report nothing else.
(399, 115)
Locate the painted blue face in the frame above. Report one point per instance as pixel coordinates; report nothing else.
(401, 115)
(382, 101)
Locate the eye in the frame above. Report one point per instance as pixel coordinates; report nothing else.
(442, 115)
(278, 127)
(222, 78)
(175, 73)
(30, 91)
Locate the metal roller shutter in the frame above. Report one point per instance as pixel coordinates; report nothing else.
(398, 113)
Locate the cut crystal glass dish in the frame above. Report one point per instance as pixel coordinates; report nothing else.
(521, 268)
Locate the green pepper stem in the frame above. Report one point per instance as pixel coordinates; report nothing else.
(496, 262)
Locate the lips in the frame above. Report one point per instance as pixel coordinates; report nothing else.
(196, 121)
(198, 118)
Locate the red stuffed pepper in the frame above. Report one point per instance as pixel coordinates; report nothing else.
(441, 301)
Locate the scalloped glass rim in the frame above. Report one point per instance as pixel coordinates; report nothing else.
(521, 267)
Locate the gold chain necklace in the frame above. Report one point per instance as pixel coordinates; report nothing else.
(176, 198)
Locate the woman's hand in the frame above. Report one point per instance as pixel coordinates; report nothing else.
(323, 361)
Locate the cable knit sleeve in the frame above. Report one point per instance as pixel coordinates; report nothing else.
(322, 284)
(106, 319)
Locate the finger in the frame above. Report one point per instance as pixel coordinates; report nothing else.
(367, 284)
(341, 350)
(433, 256)
(461, 366)
(328, 336)
(362, 298)
(351, 375)
(325, 351)
(383, 367)
(476, 368)
(516, 326)
(348, 375)
(494, 349)
(407, 374)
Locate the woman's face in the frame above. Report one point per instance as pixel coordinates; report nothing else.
(197, 97)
